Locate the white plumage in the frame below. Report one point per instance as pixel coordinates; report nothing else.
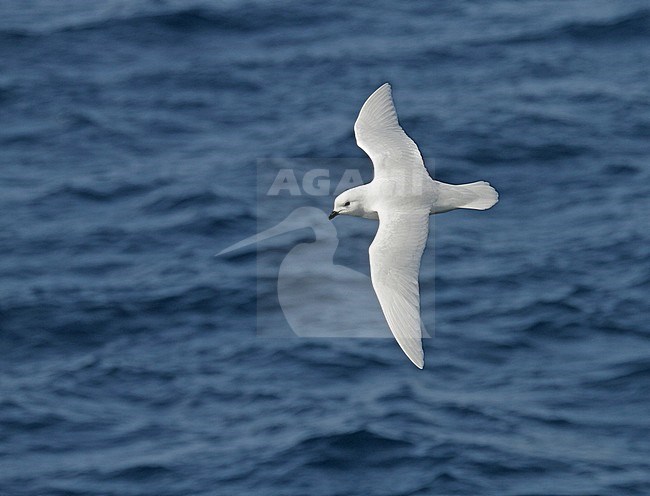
(401, 196)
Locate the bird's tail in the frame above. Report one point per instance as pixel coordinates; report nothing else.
(476, 196)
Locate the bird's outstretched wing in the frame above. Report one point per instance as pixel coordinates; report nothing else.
(395, 257)
(379, 134)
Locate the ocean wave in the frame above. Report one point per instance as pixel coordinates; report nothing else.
(329, 359)
(508, 153)
(633, 373)
(210, 223)
(193, 19)
(173, 201)
(100, 191)
(343, 448)
(632, 26)
(139, 471)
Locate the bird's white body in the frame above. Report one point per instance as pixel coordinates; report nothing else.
(401, 196)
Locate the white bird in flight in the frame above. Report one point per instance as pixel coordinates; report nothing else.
(401, 196)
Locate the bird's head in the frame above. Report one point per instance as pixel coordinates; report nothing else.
(350, 202)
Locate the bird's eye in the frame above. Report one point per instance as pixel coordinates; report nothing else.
(346, 204)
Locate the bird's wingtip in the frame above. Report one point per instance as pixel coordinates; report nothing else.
(417, 360)
(386, 86)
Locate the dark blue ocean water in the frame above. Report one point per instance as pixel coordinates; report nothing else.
(131, 359)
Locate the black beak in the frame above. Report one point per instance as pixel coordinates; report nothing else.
(333, 214)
